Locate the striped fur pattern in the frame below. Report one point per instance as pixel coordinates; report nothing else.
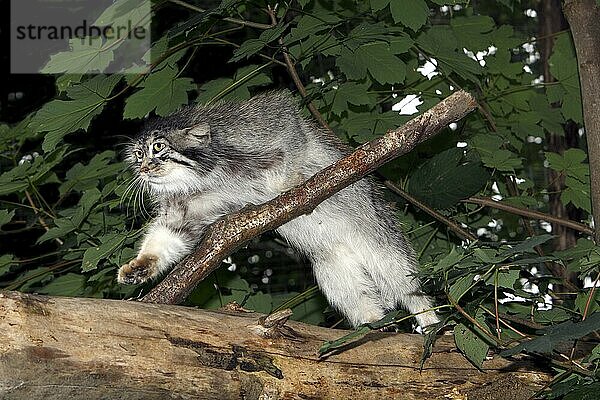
(204, 162)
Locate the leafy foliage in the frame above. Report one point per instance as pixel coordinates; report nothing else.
(552, 336)
(70, 215)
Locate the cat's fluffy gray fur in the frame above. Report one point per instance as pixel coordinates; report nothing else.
(204, 162)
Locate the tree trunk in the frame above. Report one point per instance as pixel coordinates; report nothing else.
(551, 22)
(66, 348)
(584, 17)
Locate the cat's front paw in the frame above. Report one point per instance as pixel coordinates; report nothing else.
(138, 270)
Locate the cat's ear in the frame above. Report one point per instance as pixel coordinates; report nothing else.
(199, 132)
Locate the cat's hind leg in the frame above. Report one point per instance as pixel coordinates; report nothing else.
(347, 287)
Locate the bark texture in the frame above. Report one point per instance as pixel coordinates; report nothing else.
(584, 17)
(552, 21)
(63, 348)
(229, 233)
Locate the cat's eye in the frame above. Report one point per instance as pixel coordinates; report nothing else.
(138, 154)
(158, 146)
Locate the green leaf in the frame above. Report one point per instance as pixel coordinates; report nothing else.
(350, 65)
(451, 259)
(506, 278)
(162, 92)
(158, 51)
(253, 46)
(97, 53)
(383, 65)
(83, 56)
(66, 285)
(236, 88)
(332, 345)
(554, 335)
(487, 256)
(583, 299)
(72, 218)
(401, 44)
(60, 117)
(528, 245)
(584, 392)
(351, 92)
(440, 41)
(502, 160)
(460, 287)
(553, 316)
(6, 216)
(37, 172)
(563, 66)
(570, 162)
(368, 33)
(410, 13)
(471, 344)
(446, 179)
(358, 333)
(471, 31)
(84, 177)
(577, 193)
(93, 255)
(65, 81)
(377, 5)
(6, 262)
(247, 49)
(33, 277)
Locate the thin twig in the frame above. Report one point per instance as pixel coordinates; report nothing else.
(589, 299)
(473, 320)
(503, 322)
(521, 321)
(42, 221)
(497, 318)
(529, 213)
(294, 75)
(242, 22)
(453, 226)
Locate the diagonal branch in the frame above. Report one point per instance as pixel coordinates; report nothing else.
(453, 226)
(226, 235)
(524, 212)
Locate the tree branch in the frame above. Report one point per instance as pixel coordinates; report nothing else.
(229, 233)
(529, 214)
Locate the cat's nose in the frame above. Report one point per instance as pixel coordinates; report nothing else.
(144, 167)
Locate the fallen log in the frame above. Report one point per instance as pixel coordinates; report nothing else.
(68, 348)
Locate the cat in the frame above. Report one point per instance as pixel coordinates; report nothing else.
(202, 163)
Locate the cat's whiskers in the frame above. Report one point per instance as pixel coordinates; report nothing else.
(129, 182)
(126, 181)
(143, 191)
(129, 193)
(136, 201)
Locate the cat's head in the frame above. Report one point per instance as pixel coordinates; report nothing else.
(169, 155)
